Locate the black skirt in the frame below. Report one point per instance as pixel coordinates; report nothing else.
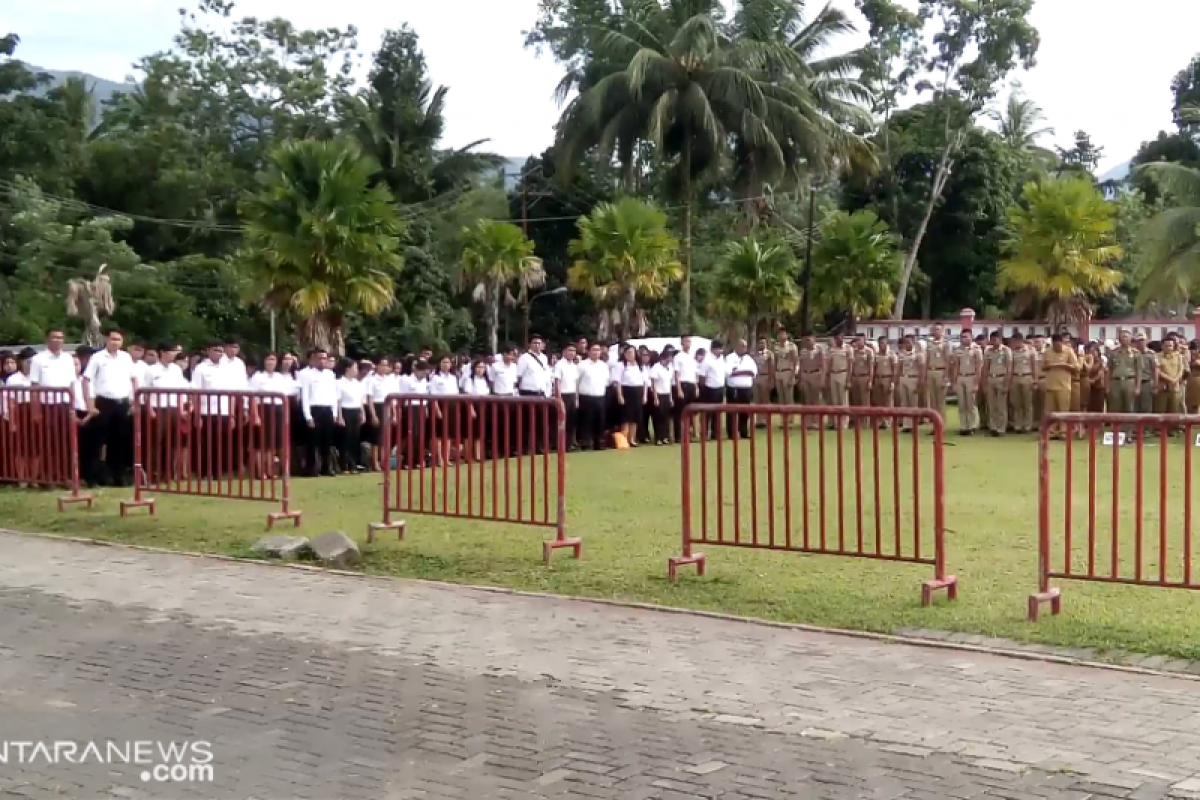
(632, 409)
(268, 434)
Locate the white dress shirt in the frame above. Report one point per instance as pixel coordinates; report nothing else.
(52, 371)
(631, 375)
(443, 383)
(662, 378)
(110, 375)
(533, 373)
(212, 377)
(380, 386)
(566, 373)
(504, 379)
(237, 372)
(593, 378)
(319, 389)
(476, 386)
(413, 385)
(9, 400)
(171, 377)
(80, 403)
(271, 383)
(351, 393)
(685, 367)
(712, 372)
(738, 363)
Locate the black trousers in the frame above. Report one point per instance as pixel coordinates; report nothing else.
(215, 454)
(662, 410)
(711, 396)
(738, 397)
(321, 441)
(112, 433)
(592, 427)
(571, 407)
(351, 438)
(533, 425)
(690, 394)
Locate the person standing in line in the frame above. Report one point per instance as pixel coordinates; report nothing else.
(837, 371)
(1095, 370)
(534, 379)
(216, 424)
(998, 374)
(378, 385)
(1039, 385)
(936, 379)
(785, 363)
(16, 412)
(764, 379)
(910, 369)
(862, 372)
(646, 360)
(108, 387)
(1061, 365)
(504, 378)
(1192, 396)
(1073, 344)
(1148, 375)
(448, 422)
(348, 423)
(883, 386)
(1124, 377)
(712, 371)
(476, 384)
(1171, 372)
(981, 412)
(686, 384)
(593, 394)
(319, 399)
(1020, 396)
(811, 362)
(662, 384)
(966, 369)
(631, 393)
(566, 387)
(266, 417)
(54, 368)
(743, 370)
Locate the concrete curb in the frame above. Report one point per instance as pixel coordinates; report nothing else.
(887, 638)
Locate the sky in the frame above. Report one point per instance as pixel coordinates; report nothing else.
(1105, 66)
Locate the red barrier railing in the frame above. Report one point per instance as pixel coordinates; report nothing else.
(225, 444)
(502, 459)
(801, 488)
(39, 440)
(1135, 499)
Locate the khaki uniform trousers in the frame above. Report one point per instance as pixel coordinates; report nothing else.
(1021, 401)
(838, 395)
(1168, 401)
(968, 417)
(908, 392)
(998, 406)
(1144, 404)
(860, 392)
(762, 391)
(1058, 401)
(935, 391)
(785, 388)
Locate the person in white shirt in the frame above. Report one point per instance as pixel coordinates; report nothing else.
(351, 401)
(416, 437)
(632, 391)
(267, 413)
(594, 386)
(534, 379)
(739, 388)
(662, 388)
(477, 384)
(108, 386)
(448, 423)
(503, 374)
(169, 411)
(566, 387)
(217, 450)
(239, 378)
(687, 380)
(382, 383)
(53, 369)
(711, 372)
(319, 400)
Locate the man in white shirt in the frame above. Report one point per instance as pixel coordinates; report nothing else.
(319, 399)
(54, 368)
(686, 384)
(593, 393)
(215, 452)
(711, 374)
(239, 376)
(566, 386)
(740, 388)
(108, 387)
(503, 372)
(534, 380)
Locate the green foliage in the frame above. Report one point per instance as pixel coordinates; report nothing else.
(1170, 242)
(755, 284)
(495, 257)
(856, 264)
(1082, 158)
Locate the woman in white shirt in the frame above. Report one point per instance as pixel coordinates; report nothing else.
(382, 383)
(289, 368)
(15, 444)
(351, 395)
(267, 415)
(447, 421)
(631, 393)
(662, 382)
(477, 384)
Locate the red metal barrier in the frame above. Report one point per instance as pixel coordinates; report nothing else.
(756, 487)
(225, 444)
(502, 459)
(39, 440)
(1137, 502)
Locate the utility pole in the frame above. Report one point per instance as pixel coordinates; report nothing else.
(806, 273)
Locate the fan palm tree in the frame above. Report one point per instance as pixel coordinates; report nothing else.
(624, 255)
(322, 238)
(856, 265)
(495, 256)
(1169, 242)
(89, 301)
(755, 283)
(1021, 126)
(1062, 237)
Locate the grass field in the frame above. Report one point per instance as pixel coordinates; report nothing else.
(626, 507)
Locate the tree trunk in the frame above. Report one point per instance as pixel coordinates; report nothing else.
(685, 311)
(940, 177)
(319, 333)
(493, 318)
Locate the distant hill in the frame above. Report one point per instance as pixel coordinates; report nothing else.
(102, 89)
(1117, 173)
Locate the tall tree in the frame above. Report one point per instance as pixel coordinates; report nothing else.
(755, 285)
(496, 257)
(855, 266)
(1185, 92)
(1082, 158)
(979, 43)
(1170, 241)
(1061, 250)
(322, 239)
(1021, 125)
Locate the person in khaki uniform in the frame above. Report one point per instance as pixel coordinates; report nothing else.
(1072, 344)
(1039, 384)
(837, 376)
(764, 379)
(910, 366)
(1096, 378)
(937, 377)
(965, 368)
(998, 374)
(812, 372)
(1192, 397)
(1148, 376)
(786, 359)
(862, 372)
(883, 390)
(1171, 371)
(1061, 366)
(1020, 396)
(1124, 377)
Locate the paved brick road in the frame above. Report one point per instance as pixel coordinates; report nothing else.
(321, 686)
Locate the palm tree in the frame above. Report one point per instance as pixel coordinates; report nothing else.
(856, 265)
(322, 238)
(1021, 126)
(1062, 239)
(624, 254)
(1169, 242)
(496, 255)
(755, 284)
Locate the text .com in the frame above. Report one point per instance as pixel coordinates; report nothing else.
(160, 762)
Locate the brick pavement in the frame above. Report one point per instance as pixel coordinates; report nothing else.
(314, 685)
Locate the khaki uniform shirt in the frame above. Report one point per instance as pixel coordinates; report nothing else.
(762, 360)
(1148, 362)
(968, 361)
(910, 363)
(885, 366)
(1024, 363)
(1124, 364)
(812, 363)
(1059, 379)
(937, 356)
(786, 356)
(1171, 368)
(999, 360)
(839, 359)
(862, 362)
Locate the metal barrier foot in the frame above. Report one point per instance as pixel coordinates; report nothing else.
(675, 562)
(1052, 596)
(72, 499)
(376, 527)
(949, 583)
(276, 516)
(126, 505)
(548, 547)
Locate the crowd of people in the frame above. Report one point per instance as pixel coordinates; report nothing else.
(624, 396)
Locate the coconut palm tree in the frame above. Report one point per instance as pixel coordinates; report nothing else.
(1062, 240)
(495, 256)
(755, 283)
(624, 255)
(856, 265)
(1021, 126)
(322, 238)
(1169, 242)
